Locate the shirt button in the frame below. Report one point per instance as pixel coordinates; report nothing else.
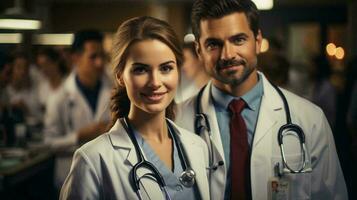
(179, 187)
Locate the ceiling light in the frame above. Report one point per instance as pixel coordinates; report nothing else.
(10, 38)
(264, 4)
(20, 24)
(16, 18)
(53, 39)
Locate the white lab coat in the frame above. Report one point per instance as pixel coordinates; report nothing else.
(326, 180)
(101, 168)
(68, 111)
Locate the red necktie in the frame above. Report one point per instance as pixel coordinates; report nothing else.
(240, 172)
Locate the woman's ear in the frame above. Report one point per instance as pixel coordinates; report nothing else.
(119, 80)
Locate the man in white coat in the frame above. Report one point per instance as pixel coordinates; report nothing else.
(228, 40)
(79, 111)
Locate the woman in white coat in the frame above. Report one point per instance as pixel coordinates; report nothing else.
(146, 60)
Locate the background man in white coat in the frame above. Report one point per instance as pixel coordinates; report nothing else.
(79, 111)
(244, 112)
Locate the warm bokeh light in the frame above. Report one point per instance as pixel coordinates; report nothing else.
(331, 49)
(340, 53)
(265, 45)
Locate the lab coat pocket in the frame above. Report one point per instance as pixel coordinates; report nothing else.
(300, 183)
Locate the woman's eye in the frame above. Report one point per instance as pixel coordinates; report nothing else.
(139, 70)
(166, 68)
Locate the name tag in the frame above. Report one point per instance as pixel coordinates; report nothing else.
(278, 188)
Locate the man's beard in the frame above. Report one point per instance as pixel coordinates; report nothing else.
(222, 64)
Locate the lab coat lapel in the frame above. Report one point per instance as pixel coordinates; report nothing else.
(197, 162)
(207, 107)
(269, 113)
(120, 140)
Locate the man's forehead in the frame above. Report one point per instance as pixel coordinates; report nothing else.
(226, 25)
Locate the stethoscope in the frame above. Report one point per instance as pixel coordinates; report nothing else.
(187, 177)
(202, 125)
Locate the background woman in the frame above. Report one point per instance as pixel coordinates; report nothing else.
(146, 60)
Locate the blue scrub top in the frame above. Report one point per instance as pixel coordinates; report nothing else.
(175, 189)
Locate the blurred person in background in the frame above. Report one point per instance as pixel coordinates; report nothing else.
(352, 108)
(6, 125)
(351, 134)
(322, 92)
(194, 76)
(79, 111)
(275, 67)
(54, 69)
(6, 63)
(22, 92)
(67, 57)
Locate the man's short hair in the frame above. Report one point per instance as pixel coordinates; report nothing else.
(214, 9)
(83, 36)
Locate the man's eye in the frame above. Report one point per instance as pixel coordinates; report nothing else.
(212, 45)
(238, 41)
(166, 68)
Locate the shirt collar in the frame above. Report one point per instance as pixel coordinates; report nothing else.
(252, 98)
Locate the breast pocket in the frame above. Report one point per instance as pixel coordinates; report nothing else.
(300, 183)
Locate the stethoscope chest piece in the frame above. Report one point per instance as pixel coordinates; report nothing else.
(187, 178)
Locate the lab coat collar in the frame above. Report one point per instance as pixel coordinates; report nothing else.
(74, 95)
(71, 86)
(269, 114)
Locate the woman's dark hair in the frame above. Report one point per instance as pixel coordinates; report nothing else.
(131, 31)
(214, 9)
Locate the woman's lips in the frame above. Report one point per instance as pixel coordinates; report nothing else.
(154, 96)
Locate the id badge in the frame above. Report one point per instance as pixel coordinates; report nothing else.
(278, 188)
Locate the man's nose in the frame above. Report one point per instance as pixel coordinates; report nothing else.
(227, 52)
